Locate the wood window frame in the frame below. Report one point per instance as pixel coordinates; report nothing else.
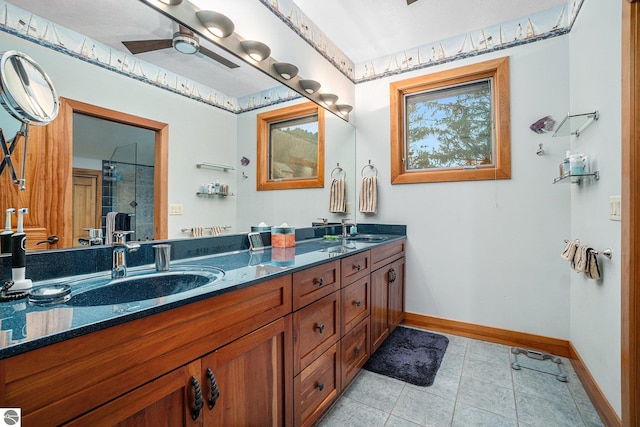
(498, 70)
(287, 113)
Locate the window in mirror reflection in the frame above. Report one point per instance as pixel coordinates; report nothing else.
(291, 148)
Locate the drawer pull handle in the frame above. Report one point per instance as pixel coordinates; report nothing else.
(320, 386)
(358, 303)
(197, 398)
(357, 267)
(320, 328)
(358, 350)
(319, 281)
(214, 390)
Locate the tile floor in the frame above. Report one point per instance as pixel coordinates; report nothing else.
(475, 386)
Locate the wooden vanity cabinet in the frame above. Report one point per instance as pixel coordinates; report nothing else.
(387, 290)
(143, 368)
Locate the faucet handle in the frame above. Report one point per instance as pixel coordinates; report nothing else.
(118, 236)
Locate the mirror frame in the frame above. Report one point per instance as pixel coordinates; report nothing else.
(61, 133)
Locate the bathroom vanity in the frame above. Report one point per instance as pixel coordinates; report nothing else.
(273, 344)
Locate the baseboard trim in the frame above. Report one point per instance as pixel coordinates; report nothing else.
(605, 410)
(555, 346)
(487, 333)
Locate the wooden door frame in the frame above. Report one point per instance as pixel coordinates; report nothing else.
(61, 132)
(630, 268)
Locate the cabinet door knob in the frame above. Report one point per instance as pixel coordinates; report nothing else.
(358, 350)
(214, 391)
(357, 267)
(319, 281)
(358, 303)
(197, 398)
(320, 328)
(320, 386)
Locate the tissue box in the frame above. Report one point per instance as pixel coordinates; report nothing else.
(283, 237)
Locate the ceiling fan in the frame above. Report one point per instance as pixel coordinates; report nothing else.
(410, 1)
(183, 40)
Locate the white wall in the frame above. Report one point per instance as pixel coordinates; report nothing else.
(197, 132)
(595, 43)
(486, 252)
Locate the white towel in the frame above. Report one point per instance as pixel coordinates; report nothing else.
(337, 197)
(569, 251)
(581, 258)
(216, 230)
(110, 227)
(593, 270)
(369, 194)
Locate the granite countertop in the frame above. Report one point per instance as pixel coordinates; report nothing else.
(25, 327)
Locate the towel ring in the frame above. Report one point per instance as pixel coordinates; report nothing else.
(338, 169)
(375, 170)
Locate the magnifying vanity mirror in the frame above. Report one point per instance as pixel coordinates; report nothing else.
(185, 132)
(29, 96)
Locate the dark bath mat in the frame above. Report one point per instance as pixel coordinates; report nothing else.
(409, 355)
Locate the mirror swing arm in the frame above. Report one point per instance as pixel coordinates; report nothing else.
(8, 151)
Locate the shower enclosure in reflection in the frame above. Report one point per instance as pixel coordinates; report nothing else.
(127, 193)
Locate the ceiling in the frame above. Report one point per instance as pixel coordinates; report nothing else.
(362, 29)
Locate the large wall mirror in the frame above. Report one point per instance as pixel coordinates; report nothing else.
(98, 105)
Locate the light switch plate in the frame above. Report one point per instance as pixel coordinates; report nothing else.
(615, 208)
(175, 209)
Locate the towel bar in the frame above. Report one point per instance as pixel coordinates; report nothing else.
(186, 229)
(607, 252)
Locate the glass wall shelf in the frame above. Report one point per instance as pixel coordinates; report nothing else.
(201, 194)
(576, 178)
(575, 124)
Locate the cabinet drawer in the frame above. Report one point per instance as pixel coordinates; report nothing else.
(384, 254)
(355, 351)
(313, 283)
(355, 267)
(356, 303)
(316, 387)
(315, 328)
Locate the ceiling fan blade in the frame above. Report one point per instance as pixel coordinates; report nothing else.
(224, 61)
(141, 46)
(410, 1)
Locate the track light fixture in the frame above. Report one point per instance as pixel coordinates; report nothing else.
(328, 98)
(217, 24)
(344, 109)
(258, 51)
(309, 86)
(287, 71)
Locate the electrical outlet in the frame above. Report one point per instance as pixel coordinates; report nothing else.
(175, 209)
(615, 208)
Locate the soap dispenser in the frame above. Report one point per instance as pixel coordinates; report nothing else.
(5, 236)
(19, 256)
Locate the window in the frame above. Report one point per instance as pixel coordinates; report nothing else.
(291, 148)
(452, 126)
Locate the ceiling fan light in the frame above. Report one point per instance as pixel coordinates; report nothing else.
(309, 86)
(287, 71)
(185, 43)
(258, 51)
(171, 2)
(328, 98)
(217, 24)
(344, 109)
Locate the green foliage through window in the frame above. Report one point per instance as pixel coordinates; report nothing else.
(449, 127)
(293, 148)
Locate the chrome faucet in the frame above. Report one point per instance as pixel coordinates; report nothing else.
(120, 248)
(345, 224)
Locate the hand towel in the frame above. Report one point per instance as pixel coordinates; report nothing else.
(336, 196)
(110, 227)
(581, 258)
(593, 270)
(216, 230)
(123, 222)
(569, 251)
(369, 194)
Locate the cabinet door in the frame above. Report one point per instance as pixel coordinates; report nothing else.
(170, 400)
(253, 377)
(379, 302)
(396, 293)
